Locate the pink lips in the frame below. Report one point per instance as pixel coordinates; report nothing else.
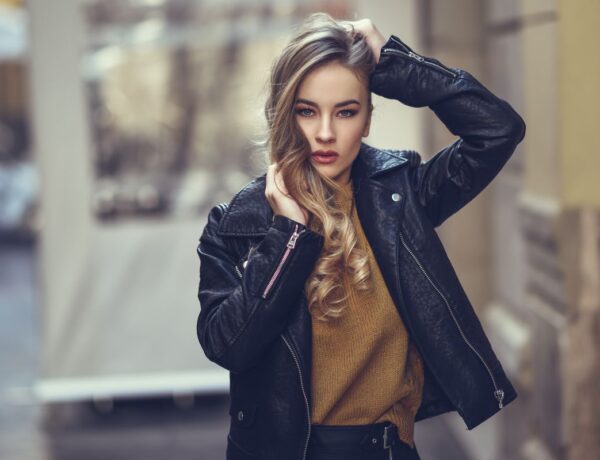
(325, 156)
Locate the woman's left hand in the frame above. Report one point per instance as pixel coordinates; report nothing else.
(369, 31)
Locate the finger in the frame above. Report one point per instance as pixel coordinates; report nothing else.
(350, 28)
(269, 183)
(281, 183)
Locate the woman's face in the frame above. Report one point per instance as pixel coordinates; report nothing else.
(332, 111)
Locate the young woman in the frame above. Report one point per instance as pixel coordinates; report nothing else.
(324, 288)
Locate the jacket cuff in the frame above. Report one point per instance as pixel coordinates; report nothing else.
(287, 225)
(394, 42)
(411, 78)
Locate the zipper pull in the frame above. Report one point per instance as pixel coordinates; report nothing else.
(499, 395)
(416, 56)
(292, 241)
(291, 244)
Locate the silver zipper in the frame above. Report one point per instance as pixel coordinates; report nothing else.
(290, 246)
(421, 59)
(416, 56)
(498, 392)
(303, 394)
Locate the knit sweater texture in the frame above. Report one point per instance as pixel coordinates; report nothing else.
(365, 367)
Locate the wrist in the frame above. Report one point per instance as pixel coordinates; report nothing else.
(296, 219)
(287, 225)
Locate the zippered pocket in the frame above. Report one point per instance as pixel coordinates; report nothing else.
(408, 53)
(291, 244)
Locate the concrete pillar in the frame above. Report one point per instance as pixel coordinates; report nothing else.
(559, 220)
(62, 152)
(579, 163)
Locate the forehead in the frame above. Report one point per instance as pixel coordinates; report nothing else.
(331, 83)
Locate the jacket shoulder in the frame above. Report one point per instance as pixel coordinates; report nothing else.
(213, 220)
(217, 212)
(247, 213)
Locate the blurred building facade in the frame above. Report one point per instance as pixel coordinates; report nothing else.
(528, 247)
(18, 175)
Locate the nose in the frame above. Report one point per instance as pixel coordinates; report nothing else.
(325, 132)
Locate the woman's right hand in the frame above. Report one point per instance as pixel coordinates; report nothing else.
(279, 199)
(370, 33)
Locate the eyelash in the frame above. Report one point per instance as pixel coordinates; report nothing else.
(351, 112)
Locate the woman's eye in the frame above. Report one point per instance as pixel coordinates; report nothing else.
(348, 112)
(303, 113)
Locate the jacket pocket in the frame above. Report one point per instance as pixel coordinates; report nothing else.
(283, 260)
(235, 452)
(242, 433)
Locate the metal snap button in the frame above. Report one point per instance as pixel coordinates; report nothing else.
(396, 196)
(240, 415)
(374, 440)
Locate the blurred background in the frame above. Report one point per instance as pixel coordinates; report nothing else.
(122, 122)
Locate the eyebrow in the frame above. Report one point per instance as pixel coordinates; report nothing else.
(339, 104)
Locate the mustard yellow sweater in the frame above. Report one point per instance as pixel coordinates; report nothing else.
(365, 367)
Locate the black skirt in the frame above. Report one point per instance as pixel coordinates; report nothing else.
(378, 441)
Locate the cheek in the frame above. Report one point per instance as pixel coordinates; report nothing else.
(304, 127)
(356, 130)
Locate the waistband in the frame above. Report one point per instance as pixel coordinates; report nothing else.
(340, 438)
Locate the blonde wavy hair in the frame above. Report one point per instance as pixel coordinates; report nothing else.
(318, 40)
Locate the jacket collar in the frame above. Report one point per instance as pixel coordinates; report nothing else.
(249, 212)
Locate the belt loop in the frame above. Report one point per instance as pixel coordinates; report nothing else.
(381, 436)
(386, 444)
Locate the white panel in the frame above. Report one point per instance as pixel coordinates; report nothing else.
(395, 125)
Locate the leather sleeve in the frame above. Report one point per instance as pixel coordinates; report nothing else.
(489, 129)
(241, 313)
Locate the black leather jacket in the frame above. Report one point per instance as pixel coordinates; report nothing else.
(254, 319)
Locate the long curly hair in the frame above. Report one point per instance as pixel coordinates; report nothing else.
(318, 40)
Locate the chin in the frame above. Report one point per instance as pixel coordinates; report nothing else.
(324, 171)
